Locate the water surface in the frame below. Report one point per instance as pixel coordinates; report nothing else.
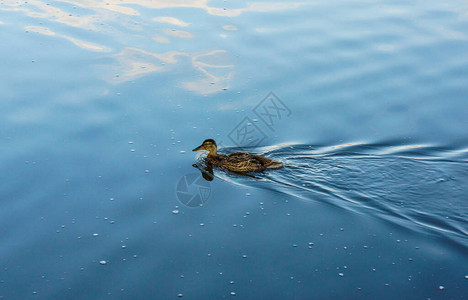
(102, 102)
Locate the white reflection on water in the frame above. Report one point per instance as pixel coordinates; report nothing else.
(171, 20)
(77, 42)
(178, 33)
(201, 4)
(41, 10)
(161, 39)
(207, 64)
(133, 63)
(39, 29)
(230, 27)
(122, 23)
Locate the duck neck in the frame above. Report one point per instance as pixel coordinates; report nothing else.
(213, 151)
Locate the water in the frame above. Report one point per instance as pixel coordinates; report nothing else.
(102, 103)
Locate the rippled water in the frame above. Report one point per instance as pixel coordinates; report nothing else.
(364, 101)
(414, 186)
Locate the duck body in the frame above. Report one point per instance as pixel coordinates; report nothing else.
(241, 162)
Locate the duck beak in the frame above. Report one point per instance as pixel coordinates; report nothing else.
(199, 148)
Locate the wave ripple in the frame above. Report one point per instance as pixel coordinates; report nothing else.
(419, 187)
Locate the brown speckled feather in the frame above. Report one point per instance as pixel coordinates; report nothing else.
(240, 162)
(243, 162)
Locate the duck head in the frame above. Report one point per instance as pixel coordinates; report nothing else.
(208, 145)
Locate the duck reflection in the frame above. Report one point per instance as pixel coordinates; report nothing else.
(206, 170)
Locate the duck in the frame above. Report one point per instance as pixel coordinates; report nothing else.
(238, 162)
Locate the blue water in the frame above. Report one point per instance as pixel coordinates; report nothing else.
(364, 101)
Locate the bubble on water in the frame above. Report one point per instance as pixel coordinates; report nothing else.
(466, 276)
(130, 142)
(341, 274)
(231, 282)
(202, 224)
(233, 293)
(132, 150)
(175, 211)
(441, 287)
(182, 151)
(244, 256)
(180, 295)
(103, 262)
(95, 234)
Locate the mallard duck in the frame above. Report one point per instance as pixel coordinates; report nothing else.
(241, 162)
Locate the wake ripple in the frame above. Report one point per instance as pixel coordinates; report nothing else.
(419, 187)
